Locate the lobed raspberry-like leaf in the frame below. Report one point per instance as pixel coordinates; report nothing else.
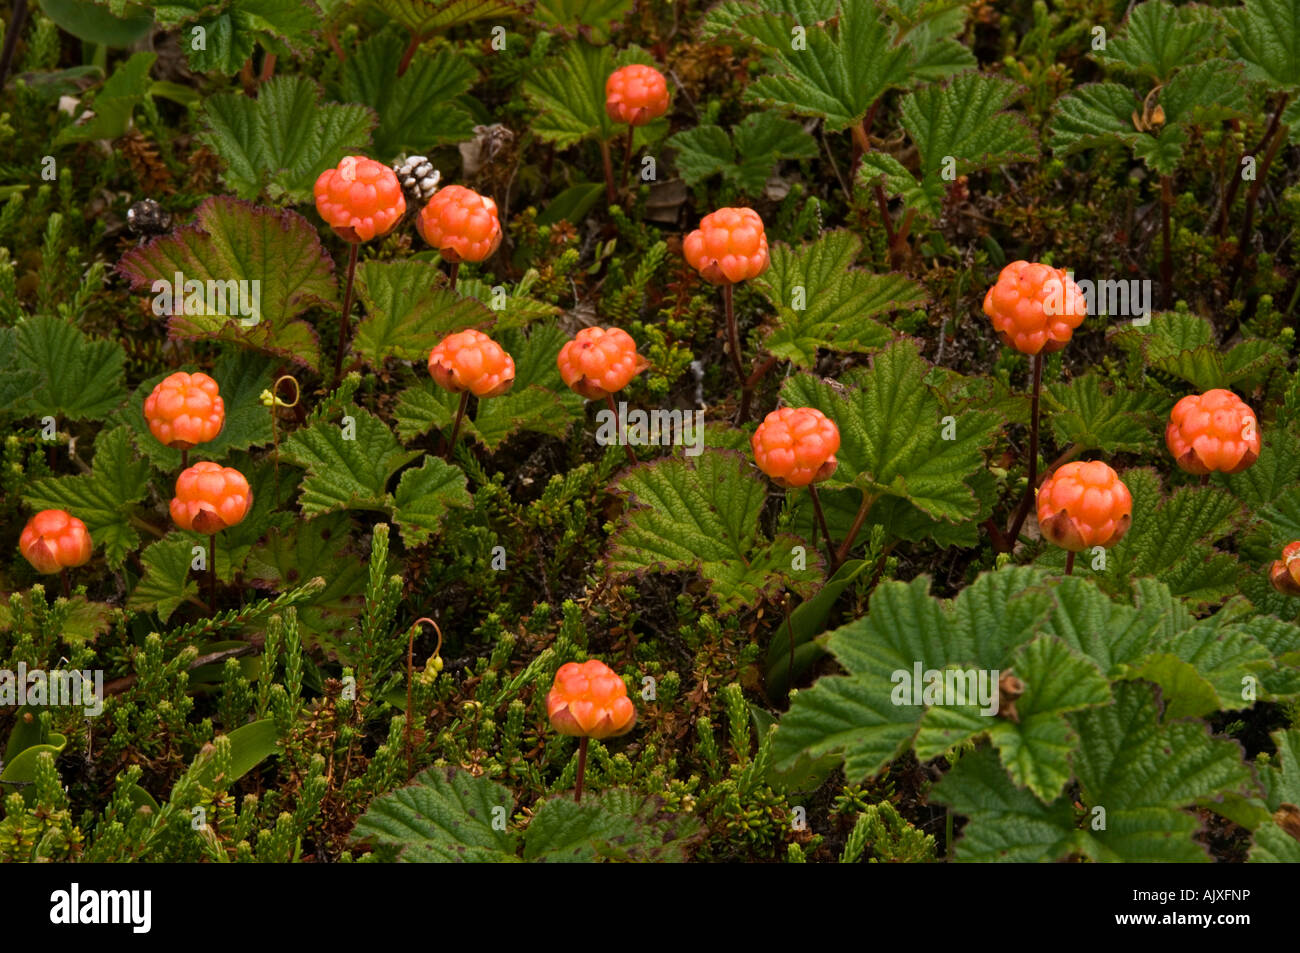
(1281, 783)
(426, 17)
(1142, 774)
(445, 816)
(1094, 115)
(406, 314)
(746, 157)
(233, 29)
(233, 241)
(281, 141)
(50, 368)
(168, 579)
(417, 110)
(424, 496)
(703, 516)
(1159, 37)
(957, 128)
(103, 499)
(617, 825)
(893, 433)
(821, 301)
(847, 65)
(1101, 418)
(1265, 35)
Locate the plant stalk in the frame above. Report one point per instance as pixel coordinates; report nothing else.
(627, 159)
(345, 320)
(454, 273)
(67, 584)
(1069, 563)
(1166, 237)
(411, 47)
(1031, 488)
(847, 546)
(611, 194)
(212, 573)
(582, 769)
(733, 332)
(821, 522)
(455, 429)
(410, 702)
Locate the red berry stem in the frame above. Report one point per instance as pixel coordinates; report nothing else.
(1013, 531)
(346, 319)
(1261, 176)
(631, 456)
(455, 274)
(212, 573)
(847, 546)
(751, 382)
(1205, 479)
(1069, 563)
(1166, 239)
(610, 192)
(733, 332)
(627, 159)
(67, 586)
(821, 521)
(582, 769)
(455, 430)
(185, 458)
(789, 635)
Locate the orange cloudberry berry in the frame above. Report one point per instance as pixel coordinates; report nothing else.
(472, 361)
(589, 700)
(1034, 307)
(636, 95)
(796, 446)
(210, 498)
(729, 246)
(1083, 505)
(185, 410)
(1284, 574)
(461, 224)
(1214, 432)
(54, 540)
(599, 362)
(361, 199)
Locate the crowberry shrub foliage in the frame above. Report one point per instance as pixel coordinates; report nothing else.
(364, 380)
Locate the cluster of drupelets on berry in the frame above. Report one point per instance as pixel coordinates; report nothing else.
(1079, 506)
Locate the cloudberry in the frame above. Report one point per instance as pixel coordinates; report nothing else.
(472, 361)
(796, 446)
(360, 200)
(1285, 572)
(461, 224)
(589, 700)
(1083, 505)
(185, 410)
(729, 246)
(54, 540)
(600, 361)
(210, 498)
(1035, 308)
(1214, 432)
(636, 95)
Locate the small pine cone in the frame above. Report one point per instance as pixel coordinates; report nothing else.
(419, 179)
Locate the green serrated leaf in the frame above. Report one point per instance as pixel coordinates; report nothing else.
(66, 373)
(168, 580)
(1265, 35)
(406, 314)
(1158, 38)
(594, 19)
(416, 110)
(446, 816)
(423, 497)
(613, 825)
(284, 139)
(823, 302)
(1093, 115)
(426, 17)
(703, 516)
(103, 498)
(1107, 419)
(838, 74)
(893, 433)
(349, 462)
